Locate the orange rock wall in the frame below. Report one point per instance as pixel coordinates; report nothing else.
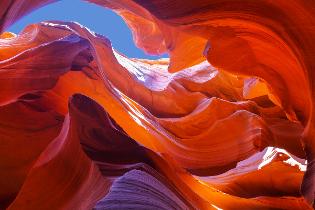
(225, 123)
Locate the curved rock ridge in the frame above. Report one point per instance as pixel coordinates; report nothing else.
(225, 123)
(139, 190)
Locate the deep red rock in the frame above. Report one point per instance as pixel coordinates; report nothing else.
(226, 123)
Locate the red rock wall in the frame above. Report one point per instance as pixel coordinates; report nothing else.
(225, 123)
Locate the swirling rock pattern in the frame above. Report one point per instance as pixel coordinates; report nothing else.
(227, 122)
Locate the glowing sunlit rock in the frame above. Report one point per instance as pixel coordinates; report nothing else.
(225, 123)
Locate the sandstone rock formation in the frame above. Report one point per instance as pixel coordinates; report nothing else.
(227, 122)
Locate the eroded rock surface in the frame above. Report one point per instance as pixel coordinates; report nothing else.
(227, 122)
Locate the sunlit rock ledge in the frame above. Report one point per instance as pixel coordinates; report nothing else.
(225, 123)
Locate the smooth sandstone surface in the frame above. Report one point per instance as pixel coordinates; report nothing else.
(227, 122)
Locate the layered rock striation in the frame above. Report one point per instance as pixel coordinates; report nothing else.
(227, 122)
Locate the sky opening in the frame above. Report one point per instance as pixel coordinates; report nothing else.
(99, 19)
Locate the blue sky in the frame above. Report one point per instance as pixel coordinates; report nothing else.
(98, 19)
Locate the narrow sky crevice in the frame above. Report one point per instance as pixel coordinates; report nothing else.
(97, 18)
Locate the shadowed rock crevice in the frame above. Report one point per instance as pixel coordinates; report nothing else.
(225, 123)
